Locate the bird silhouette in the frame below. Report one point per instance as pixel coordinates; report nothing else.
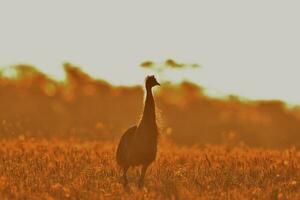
(138, 145)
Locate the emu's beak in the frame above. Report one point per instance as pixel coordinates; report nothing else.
(157, 83)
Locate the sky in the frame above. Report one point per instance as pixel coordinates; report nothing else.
(246, 48)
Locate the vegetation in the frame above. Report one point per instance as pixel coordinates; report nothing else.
(34, 105)
(72, 169)
(58, 141)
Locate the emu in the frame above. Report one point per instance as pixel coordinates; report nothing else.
(138, 145)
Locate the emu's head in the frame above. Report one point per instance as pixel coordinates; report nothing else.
(151, 82)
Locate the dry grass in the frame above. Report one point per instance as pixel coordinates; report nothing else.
(57, 169)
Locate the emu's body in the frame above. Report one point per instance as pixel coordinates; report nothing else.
(138, 145)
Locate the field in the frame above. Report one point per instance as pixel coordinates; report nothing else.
(77, 169)
(58, 141)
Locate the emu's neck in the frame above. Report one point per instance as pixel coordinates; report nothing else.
(149, 109)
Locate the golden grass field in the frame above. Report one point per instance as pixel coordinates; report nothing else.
(39, 159)
(74, 169)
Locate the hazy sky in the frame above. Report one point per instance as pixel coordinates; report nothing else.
(249, 48)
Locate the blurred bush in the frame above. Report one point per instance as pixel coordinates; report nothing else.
(34, 105)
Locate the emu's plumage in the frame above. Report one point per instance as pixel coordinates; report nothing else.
(138, 145)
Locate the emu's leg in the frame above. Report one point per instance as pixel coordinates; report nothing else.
(125, 169)
(143, 172)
